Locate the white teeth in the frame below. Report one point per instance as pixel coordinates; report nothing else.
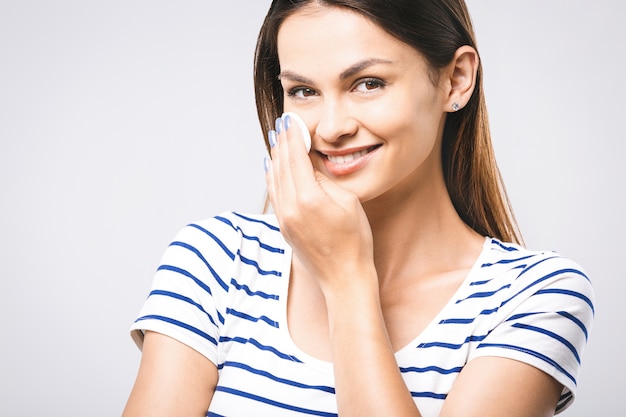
(342, 159)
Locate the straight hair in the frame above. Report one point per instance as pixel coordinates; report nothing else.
(436, 29)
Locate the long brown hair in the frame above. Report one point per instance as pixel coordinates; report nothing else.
(436, 28)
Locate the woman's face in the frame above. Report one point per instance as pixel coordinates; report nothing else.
(375, 117)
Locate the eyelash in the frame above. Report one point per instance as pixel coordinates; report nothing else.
(292, 92)
(376, 82)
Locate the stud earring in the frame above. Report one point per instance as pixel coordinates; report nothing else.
(456, 106)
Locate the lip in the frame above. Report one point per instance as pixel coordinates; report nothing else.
(346, 161)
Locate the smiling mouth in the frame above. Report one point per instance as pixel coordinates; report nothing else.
(345, 159)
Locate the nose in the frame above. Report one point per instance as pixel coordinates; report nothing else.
(336, 121)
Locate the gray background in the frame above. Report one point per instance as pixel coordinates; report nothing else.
(121, 121)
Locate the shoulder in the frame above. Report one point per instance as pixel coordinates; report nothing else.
(538, 274)
(210, 249)
(542, 313)
(540, 264)
(230, 241)
(229, 229)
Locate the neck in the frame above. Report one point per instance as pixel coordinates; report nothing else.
(420, 234)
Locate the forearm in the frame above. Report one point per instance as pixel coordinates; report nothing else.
(368, 381)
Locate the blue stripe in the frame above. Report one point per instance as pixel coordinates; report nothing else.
(264, 400)
(568, 292)
(185, 299)
(483, 294)
(248, 317)
(212, 236)
(451, 345)
(426, 394)
(212, 414)
(219, 280)
(187, 274)
(269, 226)
(256, 265)
(456, 321)
(260, 346)
(249, 237)
(261, 244)
(506, 261)
(485, 312)
(550, 334)
(565, 314)
(196, 280)
(506, 248)
(436, 369)
(575, 320)
(549, 291)
(489, 311)
(537, 263)
(265, 374)
(251, 293)
(522, 315)
(532, 353)
(179, 324)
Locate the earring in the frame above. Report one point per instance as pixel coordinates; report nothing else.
(456, 106)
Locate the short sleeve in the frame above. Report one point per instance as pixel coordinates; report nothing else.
(544, 320)
(186, 301)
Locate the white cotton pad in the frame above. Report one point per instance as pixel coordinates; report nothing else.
(295, 119)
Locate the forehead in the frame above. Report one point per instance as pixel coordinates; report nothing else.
(330, 38)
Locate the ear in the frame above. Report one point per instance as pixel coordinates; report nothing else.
(461, 76)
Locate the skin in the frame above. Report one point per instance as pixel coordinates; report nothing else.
(361, 233)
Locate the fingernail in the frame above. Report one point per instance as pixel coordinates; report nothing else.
(271, 138)
(287, 122)
(279, 125)
(266, 164)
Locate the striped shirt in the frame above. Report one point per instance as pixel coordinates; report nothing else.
(221, 288)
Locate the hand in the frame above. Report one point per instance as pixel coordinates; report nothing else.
(325, 225)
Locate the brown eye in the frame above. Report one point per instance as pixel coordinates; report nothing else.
(369, 84)
(302, 92)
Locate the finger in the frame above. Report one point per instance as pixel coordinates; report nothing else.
(299, 161)
(292, 119)
(269, 182)
(333, 191)
(283, 180)
(272, 165)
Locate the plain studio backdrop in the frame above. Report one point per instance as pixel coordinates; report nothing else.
(122, 121)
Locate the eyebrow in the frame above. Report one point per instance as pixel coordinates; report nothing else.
(347, 73)
(360, 66)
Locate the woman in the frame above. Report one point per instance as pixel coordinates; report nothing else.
(390, 280)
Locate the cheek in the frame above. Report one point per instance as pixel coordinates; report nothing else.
(405, 105)
(385, 116)
(410, 118)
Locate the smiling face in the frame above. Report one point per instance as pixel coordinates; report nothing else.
(375, 117)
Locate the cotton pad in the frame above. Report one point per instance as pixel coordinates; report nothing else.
(295, 119)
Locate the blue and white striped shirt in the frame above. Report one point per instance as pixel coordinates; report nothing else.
(222, 288)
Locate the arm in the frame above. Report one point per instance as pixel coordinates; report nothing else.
(329, 232)
(369, 383)
(330, 235)
(368, 380)
(173, 380)
(493, 386)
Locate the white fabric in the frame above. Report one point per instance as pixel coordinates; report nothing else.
(222, 286)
